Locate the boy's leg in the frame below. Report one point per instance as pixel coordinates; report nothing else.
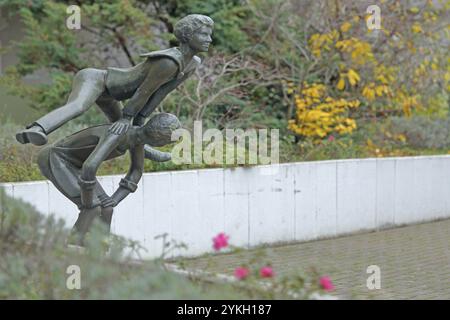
(87, 217)
(87, 86)
(66, 182)
(84, 223)
(106, 217)
(110, 107)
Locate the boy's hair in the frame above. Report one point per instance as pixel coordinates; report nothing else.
(184, 29)
(159, 129)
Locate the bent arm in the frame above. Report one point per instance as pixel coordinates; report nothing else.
(160, 95)
(160, 72)
(129, 183)
(87, 179)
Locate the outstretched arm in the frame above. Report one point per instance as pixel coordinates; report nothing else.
(129, 183)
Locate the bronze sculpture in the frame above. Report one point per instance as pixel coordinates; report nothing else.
(71, 163)
(145, 85)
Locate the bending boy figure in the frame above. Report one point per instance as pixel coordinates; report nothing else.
(72, 162)
(145, 85)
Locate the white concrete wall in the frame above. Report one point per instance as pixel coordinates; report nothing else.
(266, 204)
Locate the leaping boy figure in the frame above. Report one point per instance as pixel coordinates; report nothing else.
(145, 85)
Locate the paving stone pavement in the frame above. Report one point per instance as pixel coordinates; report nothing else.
(414, 261)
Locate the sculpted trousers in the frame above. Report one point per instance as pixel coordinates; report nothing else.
(88, 87)
(64, 175)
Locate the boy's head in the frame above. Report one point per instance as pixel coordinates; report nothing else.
(195, 30)
(158, 130)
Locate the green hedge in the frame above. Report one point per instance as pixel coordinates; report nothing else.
(34, 263)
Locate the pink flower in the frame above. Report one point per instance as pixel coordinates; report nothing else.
(241, 273)
(220, 241)
(326, 283)
(331, 138)
(266, 272)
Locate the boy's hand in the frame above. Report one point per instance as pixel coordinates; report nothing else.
(106, 201)
(120, 127)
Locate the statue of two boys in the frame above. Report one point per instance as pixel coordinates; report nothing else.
(72, 163)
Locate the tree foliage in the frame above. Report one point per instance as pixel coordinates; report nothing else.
(265, 54)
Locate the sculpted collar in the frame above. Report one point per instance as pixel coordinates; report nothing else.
(173, 53)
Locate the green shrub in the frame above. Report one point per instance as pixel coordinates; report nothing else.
(423, 132)
(34, 262)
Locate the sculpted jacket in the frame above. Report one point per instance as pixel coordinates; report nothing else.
(126, 83)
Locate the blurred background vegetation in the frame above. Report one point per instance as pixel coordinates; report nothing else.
(311, 69)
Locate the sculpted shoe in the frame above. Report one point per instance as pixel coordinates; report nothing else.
(35, 135)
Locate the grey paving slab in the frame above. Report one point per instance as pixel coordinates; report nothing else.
(414, 261)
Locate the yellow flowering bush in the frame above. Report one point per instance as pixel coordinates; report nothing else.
(318, 114)
(401, 69)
